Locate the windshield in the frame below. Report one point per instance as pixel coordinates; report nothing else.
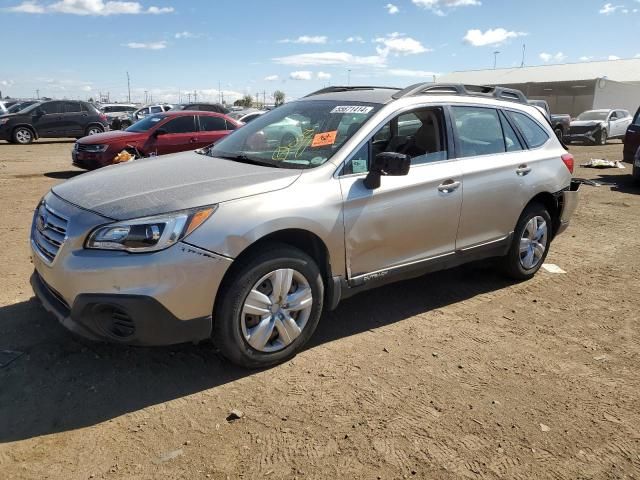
(146, 123)
(593, 115)
(301, 134)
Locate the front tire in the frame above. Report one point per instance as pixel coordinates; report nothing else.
(23, 136)
(602, 139)
(268, 307)
(94, 130)
(530, 243)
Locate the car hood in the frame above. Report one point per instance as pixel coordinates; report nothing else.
(587, 123)
(170, 183)
(113, 136)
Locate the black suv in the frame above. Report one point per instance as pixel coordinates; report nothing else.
(56, 118)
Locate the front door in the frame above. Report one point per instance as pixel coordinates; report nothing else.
(409, 218)
(181, 134)
(48, 119)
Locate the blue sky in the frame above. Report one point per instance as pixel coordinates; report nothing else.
(79, 48)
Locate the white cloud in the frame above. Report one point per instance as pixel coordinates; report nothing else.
(440, 7)
(87, 88)
(271, 78)
(613, 57)
(355, 39)
(307, 39)
(397, 44)
(391, 8)
(585, 58)
(301, 75)
(608, 9)
(402, 72)
(556, 57)
(493, 37)
(330, 58)
(6, 83)
(185, 34)
(147, 46)
(88, 7)
(323, 76)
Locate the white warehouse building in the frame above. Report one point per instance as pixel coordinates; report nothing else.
(568, 88)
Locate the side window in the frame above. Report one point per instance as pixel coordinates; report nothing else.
(479, 131)
(52, 107)
(71, 107)
(156, 109)
(230, 126)
(532, 132)
(614, 116)
(144, 111)
(359, 163)
(511, 140)
(212, 124)
(181, 125)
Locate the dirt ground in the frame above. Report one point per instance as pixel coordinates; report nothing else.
(460, 374)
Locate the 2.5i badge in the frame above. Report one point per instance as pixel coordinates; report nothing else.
(351, 109)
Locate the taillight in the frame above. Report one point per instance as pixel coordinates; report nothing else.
(567, 158)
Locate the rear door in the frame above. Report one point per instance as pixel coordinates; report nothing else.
(212, 129)
(632, 138)
(74, 119)
(491, 156)
(48, 119)
(182, 135)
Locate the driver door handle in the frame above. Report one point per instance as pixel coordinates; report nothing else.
(449, 186)
(193, 139)
(523, 170)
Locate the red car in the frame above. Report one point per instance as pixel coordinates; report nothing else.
(158, 134)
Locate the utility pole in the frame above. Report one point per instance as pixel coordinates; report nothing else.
(145, 97)
(195, 96)
(524, 50)
(129, 87)
(189, 97)
(495, 59)
(349, 76)
(220, 99)
(38, 94)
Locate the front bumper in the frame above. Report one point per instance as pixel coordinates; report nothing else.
(158, 298)
(91, 161)
(568, 202)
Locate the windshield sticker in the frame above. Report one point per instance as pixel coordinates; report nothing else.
(351, 109)
(324, 139)
(295, 148)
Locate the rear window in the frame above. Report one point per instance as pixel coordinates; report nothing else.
(533, 133)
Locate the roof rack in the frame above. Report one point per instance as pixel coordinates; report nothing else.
(348, 88)
(487, 91)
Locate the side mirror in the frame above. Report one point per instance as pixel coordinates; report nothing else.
(160, 131)
(387, 163)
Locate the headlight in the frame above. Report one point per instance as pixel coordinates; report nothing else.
(148, 234)
(95, 148)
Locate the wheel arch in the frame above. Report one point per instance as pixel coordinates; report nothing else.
(550, 201)
(304, 240)
(26, 125)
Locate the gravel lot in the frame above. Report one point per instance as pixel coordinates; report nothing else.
(460, 374)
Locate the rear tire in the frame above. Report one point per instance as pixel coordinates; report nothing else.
(259, 320)
(530, 244)
(22, 136)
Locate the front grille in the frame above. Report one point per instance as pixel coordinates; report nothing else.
(581, 130)
(81, 147)
(49, 231)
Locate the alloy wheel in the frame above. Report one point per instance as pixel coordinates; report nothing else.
(533, 242)
(276, 310)
(24, 136)
(93, 131)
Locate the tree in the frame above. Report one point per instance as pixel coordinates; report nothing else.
(278, 97)
(247, 100)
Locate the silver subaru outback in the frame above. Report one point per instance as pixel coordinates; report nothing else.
(247, 242)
